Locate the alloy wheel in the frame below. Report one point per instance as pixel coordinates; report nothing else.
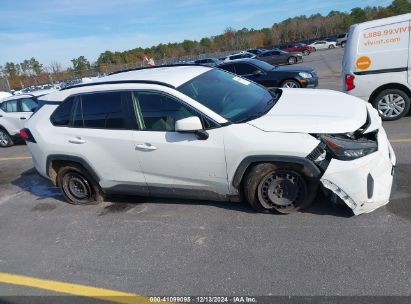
(4, 139)
(290, 84)
(391, 105)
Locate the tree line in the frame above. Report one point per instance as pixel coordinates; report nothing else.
(31, 72)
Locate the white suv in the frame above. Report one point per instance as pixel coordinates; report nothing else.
(202, 133)
(14, 111)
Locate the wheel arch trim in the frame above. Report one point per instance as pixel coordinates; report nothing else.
(72, 159)
(387, 86)
(310, 168)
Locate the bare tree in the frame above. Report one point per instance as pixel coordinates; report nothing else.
(55, 67)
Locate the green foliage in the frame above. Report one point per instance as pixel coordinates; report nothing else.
(80, 65)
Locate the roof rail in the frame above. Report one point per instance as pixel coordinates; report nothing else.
(156, 67)
(117, 82)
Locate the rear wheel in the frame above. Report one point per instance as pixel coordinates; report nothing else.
(343, 44)
(290, 83)
(306, 53)
(5, 139)
(314, 49)
(78, 186)
(392, 104)
(283, 188)
(331, 46)
(292, 60)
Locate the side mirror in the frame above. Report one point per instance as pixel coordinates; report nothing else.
(191, 125)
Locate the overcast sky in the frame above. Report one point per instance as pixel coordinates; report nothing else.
(59, 30)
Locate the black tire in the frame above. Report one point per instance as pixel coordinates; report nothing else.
(306, 53)
(283, 180)
(5, 139)
(343, 44)
(388, 97)
(314, 49)
(292, 60)
(331, 46)
(290, 83)
(77, 186)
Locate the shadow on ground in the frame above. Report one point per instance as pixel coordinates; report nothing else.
(40, 187)
(31, 182)
(400, 204)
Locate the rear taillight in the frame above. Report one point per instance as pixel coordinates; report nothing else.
(349, 82)
(26, 135)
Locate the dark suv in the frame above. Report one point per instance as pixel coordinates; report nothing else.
(272, 76)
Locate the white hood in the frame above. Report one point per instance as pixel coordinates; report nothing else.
(314, 111)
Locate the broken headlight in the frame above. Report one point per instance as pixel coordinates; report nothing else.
(345, 147)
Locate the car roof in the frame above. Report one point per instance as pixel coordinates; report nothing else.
(383, 21)
(168, 76)
(260, 64)
(16, 97)
(171, 75)
(241, 53)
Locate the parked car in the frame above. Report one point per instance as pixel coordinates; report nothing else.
(208, 134)
(376, 65)
(239, 56)
(322, 45)
(212, 62)
(298, 47)
(14, 111)
(272, 76)
(342, 40)
(278, 56)
(256, 51)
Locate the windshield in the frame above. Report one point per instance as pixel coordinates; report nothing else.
(234, 98)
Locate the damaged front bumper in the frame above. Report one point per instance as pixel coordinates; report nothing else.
(366, 183)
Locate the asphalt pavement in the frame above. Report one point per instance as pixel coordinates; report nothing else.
(175, 247)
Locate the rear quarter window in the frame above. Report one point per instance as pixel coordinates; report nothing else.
(61, 116)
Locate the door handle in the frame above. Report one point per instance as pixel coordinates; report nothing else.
(77, 140)
(23, 118)
(145, 147)
(1, 115)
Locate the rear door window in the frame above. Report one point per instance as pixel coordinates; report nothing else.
(103, 111)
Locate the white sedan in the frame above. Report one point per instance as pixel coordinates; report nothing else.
(323, 44)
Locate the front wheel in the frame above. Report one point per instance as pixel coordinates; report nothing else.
(291, 84)
(392, 104)
(331, 46)
(343, 44)
(314, 49)
(292, 60)
(282, 188)
(5, 139)
(306, 53)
